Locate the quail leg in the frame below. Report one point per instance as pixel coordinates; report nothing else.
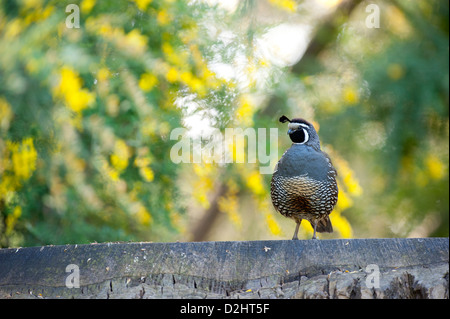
(298, 221)
(315, 226)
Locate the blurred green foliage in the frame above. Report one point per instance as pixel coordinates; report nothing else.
(86, 114)
(399, 121)
(96, 105)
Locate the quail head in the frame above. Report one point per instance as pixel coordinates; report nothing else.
(304, 184)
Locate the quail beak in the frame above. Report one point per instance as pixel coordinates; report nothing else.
(290, 131)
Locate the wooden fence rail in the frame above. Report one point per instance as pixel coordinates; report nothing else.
(343, 268)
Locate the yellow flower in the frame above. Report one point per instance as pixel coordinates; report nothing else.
(105, 29)
(70, 89)
(147, 82)
(31, 4)
(435, 168)
(142, 4)
(344, 201)
(24, 157)
(35, 11)
(274, 228)
(13, 28)
(288, 5)
(5, 114)
(350, 95)
(229, 204)
(103, 74)
(237, 149)
(198, 87)
(135, 42)
(341, 224)
(172, 75)
(352, 185)
(80, 100)
(11, 219)
(109, 171)
(87, 5)
(163, 17)
(347, 175)
(119, 162)
(167, 49)
(255, 183)
(187, 77)
(142, 161)
(147, 173)
(143, 216)
(245, 111)
(8, 185)
(201, 198)
(194, 83)
(119, 159)
(203, 184)
(113, 174)
(175, 57)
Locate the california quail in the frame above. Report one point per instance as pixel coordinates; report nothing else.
(304, 184)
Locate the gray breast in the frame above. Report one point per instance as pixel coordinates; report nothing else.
(303, 160)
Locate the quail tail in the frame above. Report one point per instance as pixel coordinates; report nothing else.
(324, 225)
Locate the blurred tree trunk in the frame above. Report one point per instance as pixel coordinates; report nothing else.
(201, 228)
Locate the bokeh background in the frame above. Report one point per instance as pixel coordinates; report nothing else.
(86, 115)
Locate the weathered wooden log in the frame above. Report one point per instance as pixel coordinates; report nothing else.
(344, 268)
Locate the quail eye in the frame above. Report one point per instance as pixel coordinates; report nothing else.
(300, 136)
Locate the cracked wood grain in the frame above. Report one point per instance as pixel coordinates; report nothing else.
(409, 268)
